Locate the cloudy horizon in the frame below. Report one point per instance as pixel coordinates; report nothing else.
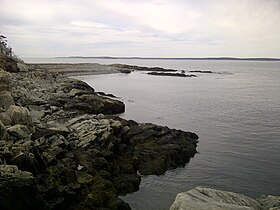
(147, 28)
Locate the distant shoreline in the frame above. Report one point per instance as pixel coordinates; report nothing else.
(158, 58)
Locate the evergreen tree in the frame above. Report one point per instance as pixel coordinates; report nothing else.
(4, 48)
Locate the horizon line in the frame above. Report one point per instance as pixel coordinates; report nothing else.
(173, 58)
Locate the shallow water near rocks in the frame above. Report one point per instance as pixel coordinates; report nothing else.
(235, 111)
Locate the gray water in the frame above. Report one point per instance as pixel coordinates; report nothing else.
(235, 111)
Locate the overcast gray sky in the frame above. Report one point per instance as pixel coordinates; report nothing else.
(158, 28)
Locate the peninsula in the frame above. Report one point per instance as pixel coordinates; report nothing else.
(62, 146)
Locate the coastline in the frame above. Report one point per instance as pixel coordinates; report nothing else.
(26, 90)
(66, 139)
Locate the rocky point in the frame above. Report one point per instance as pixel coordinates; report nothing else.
(62, 147)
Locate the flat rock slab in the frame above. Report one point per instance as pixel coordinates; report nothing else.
(201, 198)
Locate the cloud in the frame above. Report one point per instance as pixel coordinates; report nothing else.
(173, 28)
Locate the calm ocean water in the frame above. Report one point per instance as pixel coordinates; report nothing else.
(235, 111)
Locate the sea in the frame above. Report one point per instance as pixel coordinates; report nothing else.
(235, 111)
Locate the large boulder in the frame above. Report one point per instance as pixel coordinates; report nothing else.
(269, 202)
(20, 115)
(158, 148)
(5, 81)
(6, 100)
(19, 131)
(22, 67)
(201, 198)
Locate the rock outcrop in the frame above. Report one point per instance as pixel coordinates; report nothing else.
(43, 90)
(8, 64)
(201, 198)
(141, 68)
(59, 149)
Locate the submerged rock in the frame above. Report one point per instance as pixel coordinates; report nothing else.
(122, 67)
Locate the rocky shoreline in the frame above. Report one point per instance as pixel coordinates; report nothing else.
(62, 147)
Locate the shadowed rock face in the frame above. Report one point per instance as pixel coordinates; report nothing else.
(201, 198)
(8, 64)
(61, 158)
(18, 189)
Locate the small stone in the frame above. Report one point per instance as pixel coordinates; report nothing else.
(83, 178)
(19, 131)
(80, 167)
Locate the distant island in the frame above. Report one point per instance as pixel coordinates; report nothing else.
(158, 58)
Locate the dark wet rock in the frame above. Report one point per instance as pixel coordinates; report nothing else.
(126, 71)
(171, 74)
(158, 148)
(127, 183)
(26, 162)
(105, 94)
(201, 71)
(141, 68)
(17, 190)
(95, 104)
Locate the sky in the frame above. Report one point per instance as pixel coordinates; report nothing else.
(146, 28)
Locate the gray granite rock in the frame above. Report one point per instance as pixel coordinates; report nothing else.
(3, 131)
(201, 198)
(5, 80)
(20, 115)
(6, 100)
(19, 131)
(269, 202)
